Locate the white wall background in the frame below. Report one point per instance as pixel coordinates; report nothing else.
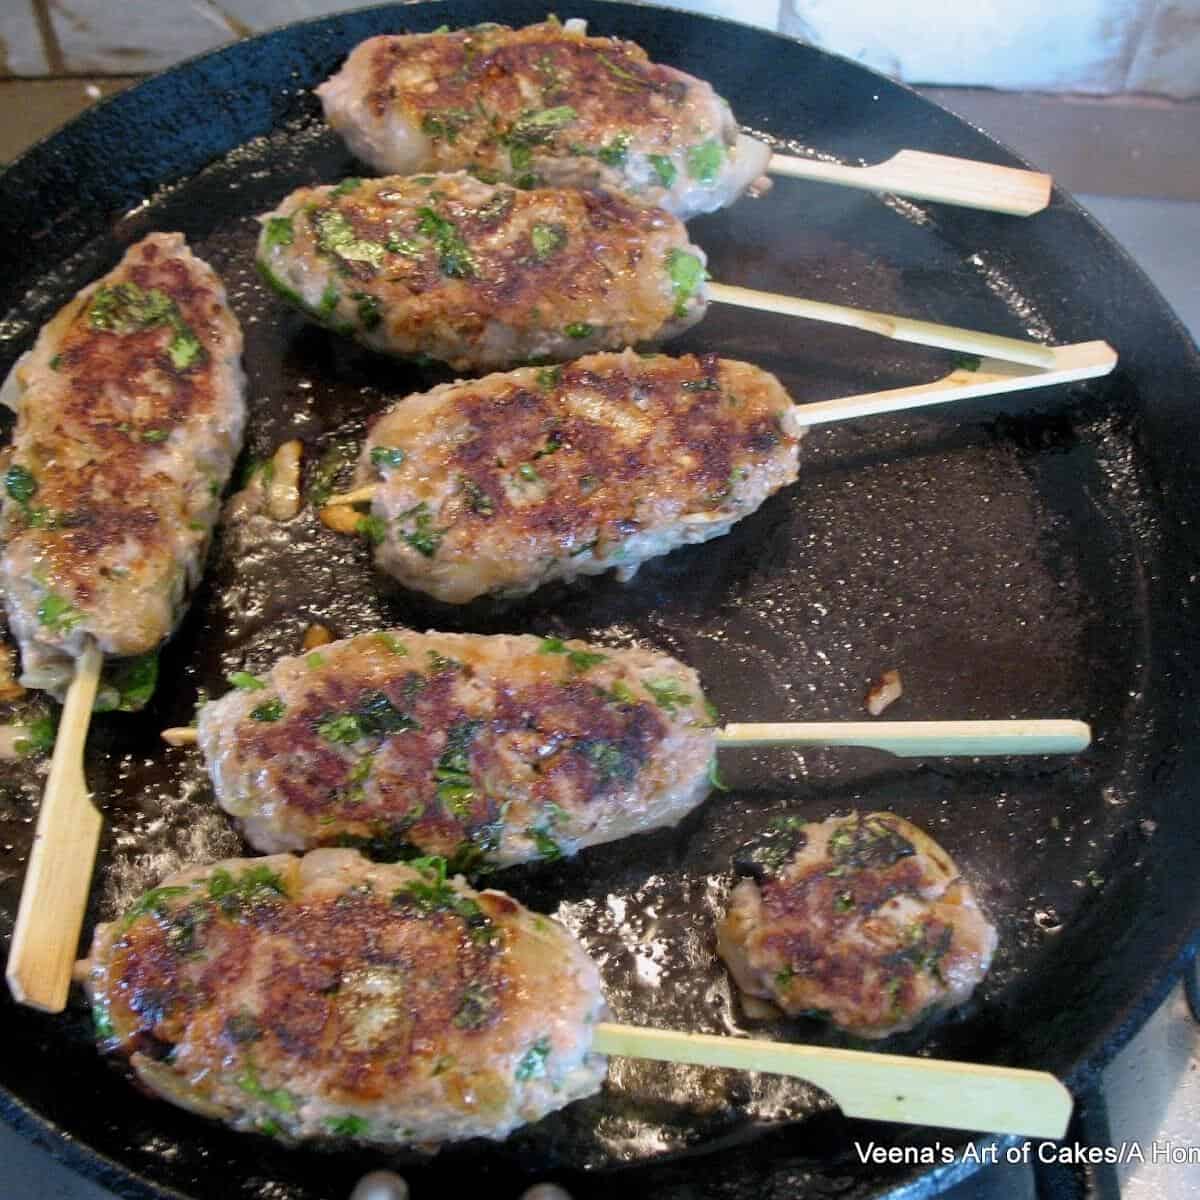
(1095, 46)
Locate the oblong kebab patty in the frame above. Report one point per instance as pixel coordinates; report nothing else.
(330, 997)
(542, 105)
(482, 276)
(499, 485)
(863, 921)
(130, 410)
(487, 750)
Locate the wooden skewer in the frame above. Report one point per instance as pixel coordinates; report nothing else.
(906, 739)
(993, 377)
(882, 1087)
(939, 177)
(915, 739)
(55, 892)
(901, 329)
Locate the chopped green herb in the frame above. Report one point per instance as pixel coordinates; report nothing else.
(347, 186)
(350, 1126)
(443, 1064)
(394, 644)
(447, 124)
(337, 238)
(704, 161)
(610, 760)
(548, 849)
(497, 208)
(710, 711)
(125, 307)
(101, 1021)
(57, 613)
(278, 1098)
(40, 737)
(455, 256)
(667, 693)
(613, 154)
(155, 435)
(153, 902)
(714, 776)
(664, 168)
(409, 247)
(129, 685)
(280, 232)
(478, 501)
(315, 661)
(687, 276)
(423, 538)
(578, 329)
(20, 483)
(521, 157)
(387, 456)
(56, 362)
(440, 662)
(370, 311)
(330, 465)
(968, 362)
(784, 978)
(536, 128)
(843, 902)
(528, 473)
(552, 645)
(547, 240)
(373, 528)
(268, 710)
(620, 693)
(252, 887)
(553, 444)
(476, 1006)
(330, 298)
(533, 1061)
(548, 378)
(246, 681)
(871, 843)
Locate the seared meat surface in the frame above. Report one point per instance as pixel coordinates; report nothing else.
(486, 750)
(542, 105)
(861, 920)
(130, 410)
(478, 275)
(498, 485)
(329, 997)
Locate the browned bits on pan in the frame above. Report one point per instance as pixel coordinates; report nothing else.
(885, 691)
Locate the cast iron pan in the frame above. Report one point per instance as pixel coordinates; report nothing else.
(1033, 555)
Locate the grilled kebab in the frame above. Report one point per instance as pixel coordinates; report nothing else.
(330, 997)
(130, 409)
(482, 275)
(499, 485)
(485, 750)
(863, 921)
(542, 105)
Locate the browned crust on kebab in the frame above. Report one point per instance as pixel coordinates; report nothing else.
(118, 393)
(398, 802)
(501, 278)
(700, 435)
(611, 84)
(159, 1003)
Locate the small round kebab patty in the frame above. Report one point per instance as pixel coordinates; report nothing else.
(487, 750)
(543, 104)
(482, 276)
(861, 920)
(498, 485)
(328, 996)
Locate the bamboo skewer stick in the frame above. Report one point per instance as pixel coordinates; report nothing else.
(993, 377)
(901, 329)
(882, 1087)
(55, 892)
(914, 739)
(905, 739)
(938, 177)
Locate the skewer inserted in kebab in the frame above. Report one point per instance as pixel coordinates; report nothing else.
(482, 276)
(328, 997)
(130, 411)
(499, 485)
(548, 104)
(496, 750)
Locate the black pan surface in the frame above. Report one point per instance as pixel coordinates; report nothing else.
(1033, 555)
